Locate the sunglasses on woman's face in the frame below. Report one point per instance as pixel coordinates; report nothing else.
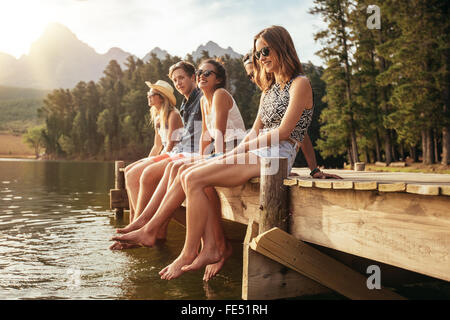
(205, 73)
(264, 51)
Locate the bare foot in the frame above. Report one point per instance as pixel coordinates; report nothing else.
(140, 237)
(122, 245)
(205, 257)
(135, 225)
(174, 270)
(212, 269)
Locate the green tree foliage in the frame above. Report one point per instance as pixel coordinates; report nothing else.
(339, 73)
(110, 119)
(385, 86)
(34, 138)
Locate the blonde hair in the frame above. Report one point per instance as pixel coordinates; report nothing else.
(282, 46)
(163, 113)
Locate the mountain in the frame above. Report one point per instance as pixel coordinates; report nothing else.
(160, 54)
(117, 54)
(58, 59)
(214, 50)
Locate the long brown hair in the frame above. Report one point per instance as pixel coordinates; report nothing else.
(281, 44)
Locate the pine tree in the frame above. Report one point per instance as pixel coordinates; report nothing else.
(337, 56)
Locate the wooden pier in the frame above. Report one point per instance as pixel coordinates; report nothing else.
(308, 236)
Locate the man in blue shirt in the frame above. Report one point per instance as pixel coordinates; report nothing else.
(184, 80)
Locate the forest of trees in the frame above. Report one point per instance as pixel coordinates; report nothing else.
(110, 119)
(387, 88)
(383, 94)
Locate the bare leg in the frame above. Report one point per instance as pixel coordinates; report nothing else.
(149, 180)
(146, 235)
(214, 173)
(152, 205)
(214, 230)
(133, 174)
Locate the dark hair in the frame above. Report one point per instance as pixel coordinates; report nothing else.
(280, 41)
(220, 70)
(185, 65)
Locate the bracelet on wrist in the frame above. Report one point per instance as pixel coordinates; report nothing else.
(314, 171)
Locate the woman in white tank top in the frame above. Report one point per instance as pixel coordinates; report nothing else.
(222, 120)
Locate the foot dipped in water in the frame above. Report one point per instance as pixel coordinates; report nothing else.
(186, 263)
(212, 269)
(138, 223)
(140, 237)
(122, 245)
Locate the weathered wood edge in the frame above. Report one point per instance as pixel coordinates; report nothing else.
(414, 188)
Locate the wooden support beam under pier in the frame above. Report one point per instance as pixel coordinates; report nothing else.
(282, 247)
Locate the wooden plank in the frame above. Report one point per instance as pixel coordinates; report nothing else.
(366, 185)
(392, 187)
(405, 230)
(290, 182)
(264, 278)
(323, 184)
(297, 255)
(120, 176)
(305, 183)
(360, 166)
(240, 203)
(445, 190)
(343, 184)
(118, 199)
(380, 164)
(429, 190)
(119, 184)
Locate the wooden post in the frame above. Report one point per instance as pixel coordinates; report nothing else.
(274, 204)
(119, 184)
(360, 166)
(262, 277)
(266, 279)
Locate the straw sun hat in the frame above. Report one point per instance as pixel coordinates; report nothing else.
(164, 88)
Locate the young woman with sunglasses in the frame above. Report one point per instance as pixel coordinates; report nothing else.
(306, 146)
(284, 115)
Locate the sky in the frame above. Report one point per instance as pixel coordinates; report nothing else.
(178, 26)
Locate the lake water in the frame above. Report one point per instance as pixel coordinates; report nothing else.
(55, 226)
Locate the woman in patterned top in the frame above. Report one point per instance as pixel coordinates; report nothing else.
(285, 112)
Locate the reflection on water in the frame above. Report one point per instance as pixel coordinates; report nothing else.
(55, 226)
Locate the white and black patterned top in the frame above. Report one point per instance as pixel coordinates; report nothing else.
(274, 106)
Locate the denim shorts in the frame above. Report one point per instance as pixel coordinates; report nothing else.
(285, 149)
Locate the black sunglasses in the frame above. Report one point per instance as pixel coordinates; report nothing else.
(206, 73)
(264, 51)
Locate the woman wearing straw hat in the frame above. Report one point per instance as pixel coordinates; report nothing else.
(168, 125)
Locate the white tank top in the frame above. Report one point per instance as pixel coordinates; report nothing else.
(235, 123)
